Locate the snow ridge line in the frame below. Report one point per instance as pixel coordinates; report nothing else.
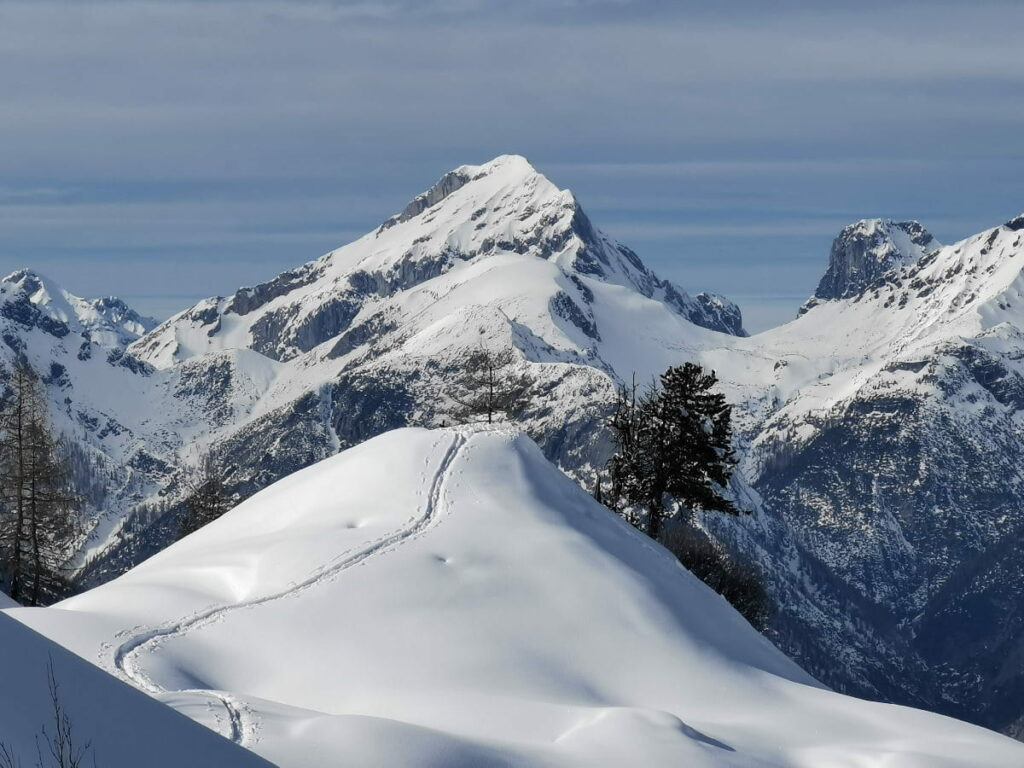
(125, 659)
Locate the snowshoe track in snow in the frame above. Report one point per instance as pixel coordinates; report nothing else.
(242, 728)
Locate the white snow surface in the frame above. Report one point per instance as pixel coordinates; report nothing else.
(449, 598)
(127, 729)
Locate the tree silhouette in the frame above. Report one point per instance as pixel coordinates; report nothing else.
(673, 442)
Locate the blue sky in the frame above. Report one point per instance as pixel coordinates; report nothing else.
(166, 151)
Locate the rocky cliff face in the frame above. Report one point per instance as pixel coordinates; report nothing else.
(901, 497)
(866, 252)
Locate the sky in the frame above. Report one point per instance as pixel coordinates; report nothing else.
(167, 150)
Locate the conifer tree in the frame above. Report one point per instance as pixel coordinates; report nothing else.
(673, 441)
(207, 500)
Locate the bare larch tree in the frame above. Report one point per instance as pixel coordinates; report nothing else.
(490, 387)
(39, 518)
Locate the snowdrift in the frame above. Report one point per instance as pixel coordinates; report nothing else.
(449, 598)
(127, 729)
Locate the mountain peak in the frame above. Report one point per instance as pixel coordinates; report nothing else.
(33, 282)
(1016, 223)
(475, 219)
(505, 164)
(33, 300)
(866, 250)
(506, 206)
(513, 170)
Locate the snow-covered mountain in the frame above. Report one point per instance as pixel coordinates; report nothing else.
(449, 598)
(498, 233)
(889, 453)
(99, 397)
(33, 301)
(880, 431)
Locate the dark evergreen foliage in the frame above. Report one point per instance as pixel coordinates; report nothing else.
(735, 580)
(674, 443)
(208, 499)
(674, 453)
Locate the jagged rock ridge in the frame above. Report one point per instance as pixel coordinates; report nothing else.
(866, 252)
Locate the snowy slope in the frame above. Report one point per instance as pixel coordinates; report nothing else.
(882, 430)
(449, 598)
(126, 728)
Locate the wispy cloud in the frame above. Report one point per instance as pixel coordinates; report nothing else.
(856, 166)
(22, 195)
(627, 231)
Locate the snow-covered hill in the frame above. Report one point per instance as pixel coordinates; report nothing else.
(122, 727)
(449, 598)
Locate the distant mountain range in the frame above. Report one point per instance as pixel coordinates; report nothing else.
(880, 432)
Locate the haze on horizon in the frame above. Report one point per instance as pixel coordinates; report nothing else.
(166, 150)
